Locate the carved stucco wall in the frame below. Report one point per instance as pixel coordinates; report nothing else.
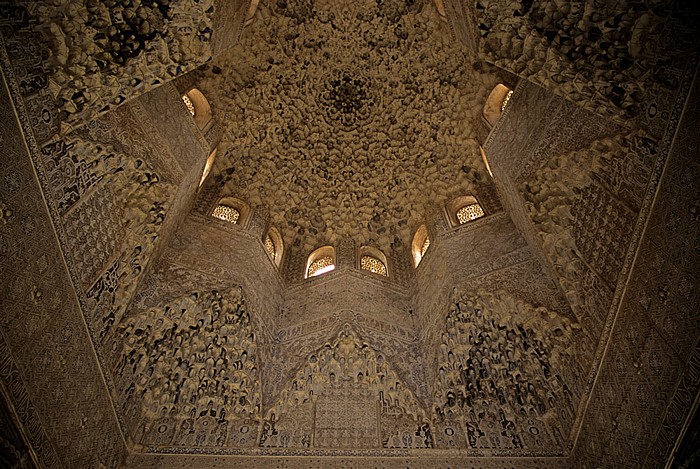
(118, 197)
(459, 259)
(291, 323)
(574, 187)
(507, 376)
(108, 187)
(401, 459)
(346, 395)
(15, 452)
(47, 363)
(210, 254)
(374, 308)
(585, 222)
(649, 377)
(317, 407)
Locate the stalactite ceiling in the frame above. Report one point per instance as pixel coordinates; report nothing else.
(348, 118)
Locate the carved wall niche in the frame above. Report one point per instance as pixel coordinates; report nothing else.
(507, 376)
(189, 373)
(346, 395)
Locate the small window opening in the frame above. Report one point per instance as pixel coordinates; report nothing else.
(463, 210)
(485, 160)
(321, 261)
(506, 100)
(270, 246)
(373, 264)
(469, 212)
(226, 213)
(189, 105)
(208, 166)
(496, 103)
(420, 244)
(274, 246)
(373, 260)
(199, 108)
(425, 246)
(232, 210)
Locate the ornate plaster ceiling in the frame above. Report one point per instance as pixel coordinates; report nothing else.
(347, 118)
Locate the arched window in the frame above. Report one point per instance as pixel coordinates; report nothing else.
(207, 166)
(420, 244)
(373, 260)
(463, 210)
(274, 246)
(320, 261)
(496, 103)
(199, 108)
(231, 210)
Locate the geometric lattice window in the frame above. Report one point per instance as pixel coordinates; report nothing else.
(373, 264)
(506, 99)
(463, 209)
(270, 246)
(189, 104)
(320, 261)
(226, 213)
(424, 247)
(320, 266)
(274, 246)
(469, 212)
